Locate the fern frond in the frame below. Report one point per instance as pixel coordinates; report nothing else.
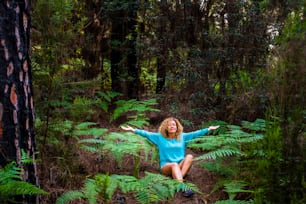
(91, 144)
(13, 188)
(140, 107)
(220, 153)
(233, 202)
(69, 196)
(9, 172)
(85, 125)
(86, 129)
(11, 183)
(127, 183)
(257, 125)
(89, 190)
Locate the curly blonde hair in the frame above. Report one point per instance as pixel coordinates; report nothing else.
(164, 125)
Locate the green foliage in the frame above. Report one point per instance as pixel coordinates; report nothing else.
(138, 110)
(231, 153)
(82, 108)
(233, 202)
(233, 187)
(228, 143)
(11, 184)
(151, 188)
(105, 98)
(117, 145)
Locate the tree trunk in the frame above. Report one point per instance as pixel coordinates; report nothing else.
(16, 98)
(117, 37)
(124, 70)
(133, 79)
(161, 58)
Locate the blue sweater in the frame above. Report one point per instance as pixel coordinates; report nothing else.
(170, 150)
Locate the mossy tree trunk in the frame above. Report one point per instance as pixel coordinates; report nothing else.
(16, 97)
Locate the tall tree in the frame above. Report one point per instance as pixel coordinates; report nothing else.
(16, 96)
(162, 56)
(124, 70)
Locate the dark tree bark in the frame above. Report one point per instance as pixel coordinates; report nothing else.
(117, 38)
(133, 70)
(162, 56)
(124, 70)
(16, 95)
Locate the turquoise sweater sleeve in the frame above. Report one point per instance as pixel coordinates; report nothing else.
(151, 136)
(192, 135)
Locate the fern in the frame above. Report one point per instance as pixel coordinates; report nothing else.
(233, 202)
(85, 128)
(151, 188)
(227, 144)
(231, 151)
(120, 144)
(11, 184)
(137, 108)
(221, 153)
(69, 196)
(105, 98)
(232, 187)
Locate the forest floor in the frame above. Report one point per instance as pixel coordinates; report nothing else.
(59, 175)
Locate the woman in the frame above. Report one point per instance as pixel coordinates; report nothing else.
(171, 142)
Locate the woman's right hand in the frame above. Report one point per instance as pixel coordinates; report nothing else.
(127, 128)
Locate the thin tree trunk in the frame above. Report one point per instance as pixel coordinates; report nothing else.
(161, 59)
(133, 79)
(16, 95)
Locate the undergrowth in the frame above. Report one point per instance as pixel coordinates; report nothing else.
(149, 189)
(11, 184)
(232, 154)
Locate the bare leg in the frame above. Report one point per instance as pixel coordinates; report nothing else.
(172, 169)
(185, 165)
(178, 171)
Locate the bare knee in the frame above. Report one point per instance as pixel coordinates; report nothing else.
(189, 157)
(169, 168)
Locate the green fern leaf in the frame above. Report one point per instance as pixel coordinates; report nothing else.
(233, 202)
(89, 190)
(69, 196)
(220, 153)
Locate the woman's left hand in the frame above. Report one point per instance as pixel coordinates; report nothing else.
(213, 127)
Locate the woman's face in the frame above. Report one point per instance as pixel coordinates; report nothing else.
(171, 128)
